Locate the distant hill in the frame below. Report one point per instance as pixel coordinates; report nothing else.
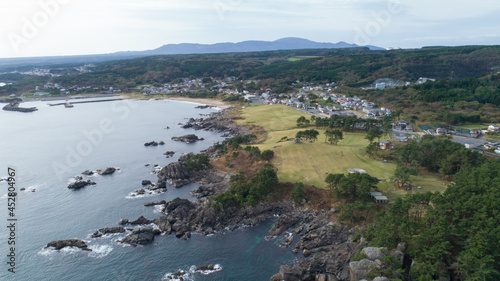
(290, 43)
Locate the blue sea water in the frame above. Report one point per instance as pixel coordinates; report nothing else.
(47, 148)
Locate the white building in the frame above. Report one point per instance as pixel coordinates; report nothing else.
(493, 128)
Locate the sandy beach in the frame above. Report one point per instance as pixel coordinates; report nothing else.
(217, 103)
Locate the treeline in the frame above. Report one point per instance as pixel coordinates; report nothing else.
(438, 155)
(347, 123)
(482, 90)
(453, 235)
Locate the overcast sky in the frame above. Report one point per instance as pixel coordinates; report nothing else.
(73, 27)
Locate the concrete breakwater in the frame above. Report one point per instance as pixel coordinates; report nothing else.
(66, 103)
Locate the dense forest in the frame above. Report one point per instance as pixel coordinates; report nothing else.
(455, 234)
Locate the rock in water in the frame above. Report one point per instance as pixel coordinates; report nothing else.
(188, 138)
(88, 173)
(151, 143)
(80, 184)
(146, 182)
(58, 245)
(107, 171)
(140, 220)
(141, 236)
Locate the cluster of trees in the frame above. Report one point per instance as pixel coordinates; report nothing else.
(454, 234)
(436, 155)
(243, 192)
(354, 189)
(334, 136)
(197, 162)
(351, 187)
(468, 89)
(311, 135)
(255, 152)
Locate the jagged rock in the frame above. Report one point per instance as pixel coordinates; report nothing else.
(359, 269)
(288, 273)
(140, 236)
(107, 171)
(169, 154)
(208, 190)
(164, 224)
(58, 245)
(306, 253)
(161, 143)
(175, 172)
(80, 184)
(162, 202)
(106, 230)
(188, 138)
(146, 182)
(141, 220)
(151, 143)
(78, 178)
(123, 221)
(373, 253)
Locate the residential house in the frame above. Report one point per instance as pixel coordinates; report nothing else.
(384, 145)
(441, 131)
(493, 128)
(475, 133)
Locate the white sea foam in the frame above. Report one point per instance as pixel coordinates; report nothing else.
(100, 251)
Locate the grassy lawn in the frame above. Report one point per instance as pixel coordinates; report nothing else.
(427, 182)
(310, 162)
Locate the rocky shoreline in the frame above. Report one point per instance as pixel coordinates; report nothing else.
(324, 247)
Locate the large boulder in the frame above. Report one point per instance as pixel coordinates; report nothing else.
(106, 230)
(188, 138)
(141, 236)
(288, 273)
(80, 184)
(107, 171)
(59, 244)
(374, 253)
(359, 269)
(141, 220)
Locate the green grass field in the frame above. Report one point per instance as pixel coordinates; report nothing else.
(310, 162)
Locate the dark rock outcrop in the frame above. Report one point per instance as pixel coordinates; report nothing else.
(216, 122)
(151, 143)
(188, 138)
(58, 245)
(88, 173)
(141, 236)
(106, 230)
(146, 182)
(80, 184)
(176, 173)
(107, 171)
(140, 220)
(169, 154)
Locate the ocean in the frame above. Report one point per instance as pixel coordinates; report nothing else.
(51, 146)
